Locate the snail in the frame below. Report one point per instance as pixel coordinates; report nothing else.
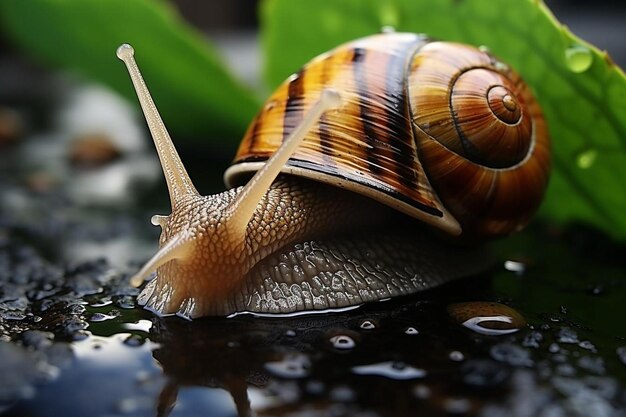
(382, 129)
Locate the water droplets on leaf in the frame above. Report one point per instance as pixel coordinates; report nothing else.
(586, 158)
(578, 58)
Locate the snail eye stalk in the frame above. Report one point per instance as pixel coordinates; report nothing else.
(178, 182)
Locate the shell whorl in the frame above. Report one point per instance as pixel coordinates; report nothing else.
(418, 131)
(481, 137)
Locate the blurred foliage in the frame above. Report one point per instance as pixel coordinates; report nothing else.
(582, 92)
(196, 94)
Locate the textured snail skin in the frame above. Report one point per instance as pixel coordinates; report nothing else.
(302, 251)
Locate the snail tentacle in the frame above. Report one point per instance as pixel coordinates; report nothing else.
(177, 247)
(240, 210)
(178, 182)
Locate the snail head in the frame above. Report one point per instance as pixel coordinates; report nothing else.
(204, 248)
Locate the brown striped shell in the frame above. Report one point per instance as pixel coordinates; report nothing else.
(440, 131)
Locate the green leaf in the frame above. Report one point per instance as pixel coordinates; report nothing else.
(582, 93)
(193, 90)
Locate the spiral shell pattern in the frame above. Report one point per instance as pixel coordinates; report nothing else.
(440, 131)
(481, 137)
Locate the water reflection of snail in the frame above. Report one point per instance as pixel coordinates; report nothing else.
(440, 131)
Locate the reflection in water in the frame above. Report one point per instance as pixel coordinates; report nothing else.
(492, 319)
(313, 363)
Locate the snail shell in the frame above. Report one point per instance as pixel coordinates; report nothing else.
(443, 132)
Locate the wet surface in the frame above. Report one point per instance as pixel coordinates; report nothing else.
(73, 342)
(542, 334)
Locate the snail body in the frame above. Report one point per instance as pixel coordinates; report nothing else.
(441, 132)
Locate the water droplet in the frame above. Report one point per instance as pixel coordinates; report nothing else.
(293, 365)
(567, 335)
(477, 324)
(593, 364)
(515, 266)
(97, 317)
(392, 370)
(491, 319)
(532, 340)
(484, 373)
(586, 159)
(511, 354)
(342, 394)
(456, 356)
(101, 302)
(554, 348)
(367, 325)
(586, 344)
(565, 369)
(290, 333)
(411, 331)
(134, 340)
(421, 391)
(342, 342)
(597, 289)
(141, 325)
(501, 66)
(457, 405)
(578, 58)
(315, 387)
